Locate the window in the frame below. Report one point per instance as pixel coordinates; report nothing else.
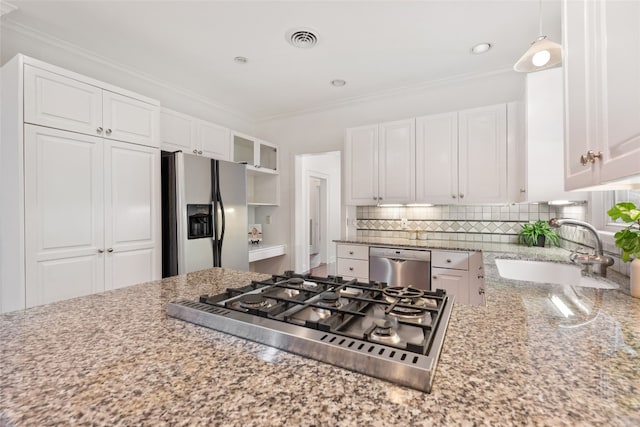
(611, 198)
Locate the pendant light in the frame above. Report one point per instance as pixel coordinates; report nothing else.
(542, 54)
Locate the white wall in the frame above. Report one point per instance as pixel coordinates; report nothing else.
(15, 40)
(323, 131)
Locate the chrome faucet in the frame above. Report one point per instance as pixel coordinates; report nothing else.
(596, 264)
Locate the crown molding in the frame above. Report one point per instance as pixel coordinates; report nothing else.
(388, 93)
(6, 8)
(94, 57)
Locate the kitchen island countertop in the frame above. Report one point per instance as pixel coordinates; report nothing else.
(115, 358)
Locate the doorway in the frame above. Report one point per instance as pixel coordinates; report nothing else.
(317, 212)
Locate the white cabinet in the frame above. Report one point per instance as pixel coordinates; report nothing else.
(460, 274)
(541, 171)
(258, 155)
(352, 262)
(601, 67)
(193, 136)
(261, 158)
(80, 207)
(380, 163)
(462, 157)
(61, 102)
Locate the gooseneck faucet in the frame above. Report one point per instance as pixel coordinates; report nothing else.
(596, 264)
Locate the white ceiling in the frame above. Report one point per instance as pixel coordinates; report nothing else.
(376, 46)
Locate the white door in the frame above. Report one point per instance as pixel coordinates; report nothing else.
(177, 132)
(63, 215)
(132, 199)
(60, 102)
(437, 158)
(213, 141)
(454, 282)
(128, 119)
(361, 164)
(619, 39)
(396, 162)
(579, 94)
(482, 155)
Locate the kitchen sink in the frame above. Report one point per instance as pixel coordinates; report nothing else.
(548, 272)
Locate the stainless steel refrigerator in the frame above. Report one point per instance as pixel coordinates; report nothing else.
(204, 214)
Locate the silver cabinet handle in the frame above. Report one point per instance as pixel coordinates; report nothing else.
(453, 196)
(108, 132)
(195, 151)
(99, 129)
(110, 250)
(100, 251)
(522, 190)
(461, 196)
(350, 268)
(449, 261)
(435, 277)
(590, 157)
(375, 198)
(199, 151)
(350, 252)
(379, 198)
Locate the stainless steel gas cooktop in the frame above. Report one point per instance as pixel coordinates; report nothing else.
(393, 333)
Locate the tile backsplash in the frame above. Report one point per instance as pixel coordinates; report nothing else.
(479, 223)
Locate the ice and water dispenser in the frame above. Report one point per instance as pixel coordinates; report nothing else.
(200, 221)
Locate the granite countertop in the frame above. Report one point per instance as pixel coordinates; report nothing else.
(116, 359)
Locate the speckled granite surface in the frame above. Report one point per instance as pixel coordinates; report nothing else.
(116, 359)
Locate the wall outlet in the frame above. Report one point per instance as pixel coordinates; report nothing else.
(268, 219)
(404, 223)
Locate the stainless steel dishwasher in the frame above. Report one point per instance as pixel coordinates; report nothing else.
(400, 267)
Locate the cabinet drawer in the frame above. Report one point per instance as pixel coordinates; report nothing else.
(353, 252)
(353, 268)
(447, 259)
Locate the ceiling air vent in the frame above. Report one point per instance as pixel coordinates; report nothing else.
(303, 38)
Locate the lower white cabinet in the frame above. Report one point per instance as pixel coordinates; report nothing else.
(91, 214)
(460, 274)
(353, 262)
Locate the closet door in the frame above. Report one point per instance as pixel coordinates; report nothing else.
(63, 215)
(132, 200)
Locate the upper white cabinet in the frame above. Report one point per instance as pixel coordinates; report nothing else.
(193, 136)
(601, 67)
(380, 163)
(462, 157)
(256, 154)
(62, 102)
(80, 199)
(541, 171)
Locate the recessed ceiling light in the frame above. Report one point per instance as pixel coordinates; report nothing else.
(240, 60)
(338, 82)
(304, 38)
(481, 48)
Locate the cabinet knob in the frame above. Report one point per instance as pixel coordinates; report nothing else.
(110, 250)
(100, 251)
(379, 198)
(350, 252)
(448, 261)
(522, 190)
(350, 268)
(590, 157)
(435, 277)
(199, 151)
(453, 196)
(461, 196)
(108, 132)
(99, 130)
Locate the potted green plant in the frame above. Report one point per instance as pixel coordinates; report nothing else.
(628, 239)
(537, 233)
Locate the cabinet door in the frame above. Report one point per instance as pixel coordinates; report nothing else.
(60, 102)
(63, 215)
(579, 93)
(619, 70)
(454, 282)
(361, 163)
(177, 132)
(482, 164)
(213, 141)
(267, 156)
(437, 158)
(132, 190)
(396, 162)
(131, 120)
